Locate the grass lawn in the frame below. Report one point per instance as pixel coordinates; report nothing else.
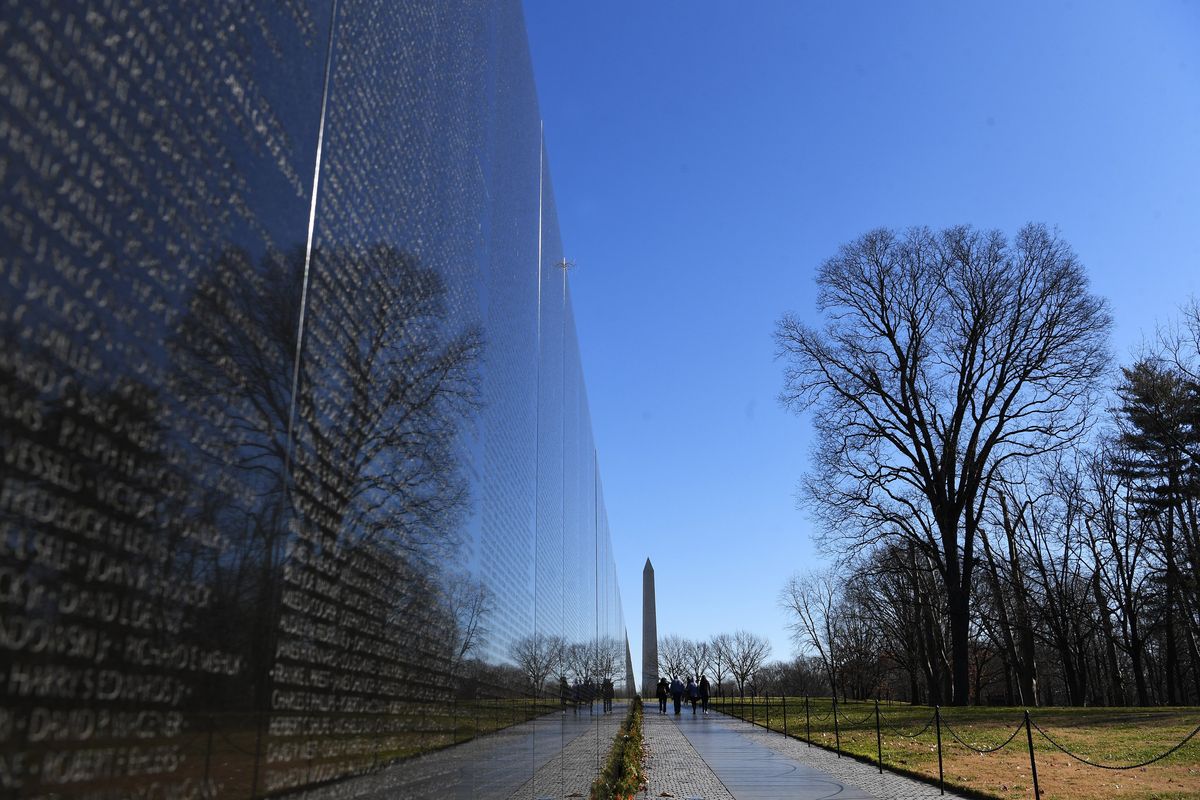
(1116, 736)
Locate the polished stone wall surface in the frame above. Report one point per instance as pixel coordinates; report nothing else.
(298, 490)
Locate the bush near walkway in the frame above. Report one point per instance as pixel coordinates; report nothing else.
(1116, 736)
(622, 777)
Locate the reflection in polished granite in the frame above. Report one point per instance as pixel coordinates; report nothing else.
(750, 770)
(562, 752)
(298, 477)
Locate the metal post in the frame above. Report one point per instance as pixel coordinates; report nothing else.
(807, 724)
(878, 738)
(837, 733)
(751, 709)
(937, 719)
(785, 733)
(1032, 763)
(208, 750)
(257, 754)
(768, 712)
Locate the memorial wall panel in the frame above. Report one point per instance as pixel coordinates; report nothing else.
(298, 492)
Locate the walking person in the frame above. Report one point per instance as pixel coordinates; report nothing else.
(661, 694)
(704, 692)
(676, 694)
(608, 693)
(693, 693)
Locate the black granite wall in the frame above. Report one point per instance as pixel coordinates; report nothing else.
(297, 479)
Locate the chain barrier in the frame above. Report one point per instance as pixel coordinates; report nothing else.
(1026, 722)
(851, 723)
(916, 735)
(986, 750)
(234, 744)
(1090, 763)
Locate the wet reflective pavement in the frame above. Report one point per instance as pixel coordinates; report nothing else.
(750, 770)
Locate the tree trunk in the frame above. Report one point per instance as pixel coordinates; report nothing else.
(1193, 690)
(1026, 659)
(1009, 647)
(1139, 669)
(959, 611)
(1171, 667)
(1117, 686)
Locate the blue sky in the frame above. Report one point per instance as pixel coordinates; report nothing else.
(708, 156)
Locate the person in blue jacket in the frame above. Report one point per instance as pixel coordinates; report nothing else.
(676, 693)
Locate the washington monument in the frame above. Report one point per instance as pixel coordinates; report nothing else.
(649, 634)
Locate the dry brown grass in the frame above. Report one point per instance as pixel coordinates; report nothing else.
(1105, 735)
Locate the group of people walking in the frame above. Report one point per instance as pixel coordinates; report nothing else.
(585, 693)
(695, 692)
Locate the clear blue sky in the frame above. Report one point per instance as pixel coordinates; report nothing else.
(708, 156)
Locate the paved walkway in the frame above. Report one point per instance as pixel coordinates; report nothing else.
(562, 752)
(716, 757)
(572, 770)
(673, 767)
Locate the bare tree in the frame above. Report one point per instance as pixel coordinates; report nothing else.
(609, 657)
(579, 658)
(469, 603)
(944, 357)
(747, 653)
(811, 599)
(538, 655)
(673, 656)
(699, 657)
(720, 646)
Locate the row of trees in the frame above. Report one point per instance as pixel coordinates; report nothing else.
(1012, 524)
(541, 657)
(739, 656)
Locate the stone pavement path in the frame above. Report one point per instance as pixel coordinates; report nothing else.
(560, 751)
(570, 773)
(721, 758)
(673, 767)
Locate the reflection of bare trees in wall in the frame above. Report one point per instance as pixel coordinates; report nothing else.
(367, 520)
(579, 660)
(385, 386)
(232, 384)
(610, 657)
(541, 656)
(538, 656)
(469, 604)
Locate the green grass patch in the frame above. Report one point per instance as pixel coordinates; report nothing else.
(622, 777)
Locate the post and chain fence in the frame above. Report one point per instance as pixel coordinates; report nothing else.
(757, 711)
